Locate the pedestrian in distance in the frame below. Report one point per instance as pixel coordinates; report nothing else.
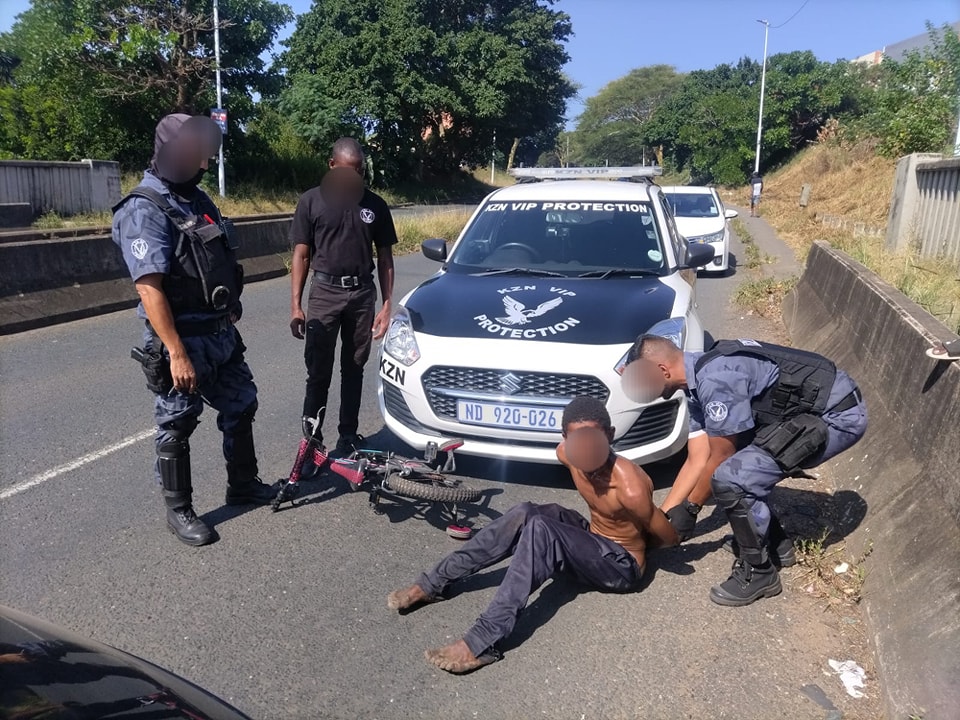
(758, 413)
(756, 187)
(182, 257)
(606, 553)
(336, 229)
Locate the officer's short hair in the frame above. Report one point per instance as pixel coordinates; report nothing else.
(586, 409)
(647, 346)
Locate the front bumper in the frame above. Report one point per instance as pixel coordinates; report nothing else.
(417, 416)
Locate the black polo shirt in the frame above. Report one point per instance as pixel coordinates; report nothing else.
(341, 239)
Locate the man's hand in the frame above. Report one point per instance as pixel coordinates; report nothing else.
(183, 374)
(683, 518)
(381, 323)
(298, 324)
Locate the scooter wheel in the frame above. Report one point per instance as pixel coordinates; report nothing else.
(459, 532)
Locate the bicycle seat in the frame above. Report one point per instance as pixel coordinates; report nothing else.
(451, 445)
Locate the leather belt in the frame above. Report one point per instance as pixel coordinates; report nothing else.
(347, 282)
(196, 328)
(849, 401)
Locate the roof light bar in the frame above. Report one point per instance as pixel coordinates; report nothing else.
(571, 173)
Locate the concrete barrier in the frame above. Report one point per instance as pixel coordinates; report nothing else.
(45, 281)
(905, 469)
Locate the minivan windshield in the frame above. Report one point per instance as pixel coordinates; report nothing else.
(692, 205)
(566, 238)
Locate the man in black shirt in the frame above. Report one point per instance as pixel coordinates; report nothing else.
(335, 229)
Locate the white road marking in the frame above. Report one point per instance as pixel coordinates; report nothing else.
(75, 464)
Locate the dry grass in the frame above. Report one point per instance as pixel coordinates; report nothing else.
(830, 574)
(854, 184)
(414, 230)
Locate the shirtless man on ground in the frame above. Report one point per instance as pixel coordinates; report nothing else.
(608, 553)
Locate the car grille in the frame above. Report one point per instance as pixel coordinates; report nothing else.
(396, 405)
(654, 423)
(480, 380)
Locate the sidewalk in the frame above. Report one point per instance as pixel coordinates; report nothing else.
(784, 263)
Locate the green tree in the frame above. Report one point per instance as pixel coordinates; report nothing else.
(429, 82)
(96, 75)
(611, 127)
(916, 98)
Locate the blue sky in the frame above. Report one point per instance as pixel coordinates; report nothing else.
(613, 36)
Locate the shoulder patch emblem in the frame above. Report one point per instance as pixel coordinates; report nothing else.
(139, 248)
(716, 411)
(367, 215)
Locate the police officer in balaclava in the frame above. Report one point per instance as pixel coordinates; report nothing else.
(182, 258)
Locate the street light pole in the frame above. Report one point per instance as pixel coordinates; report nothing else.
(221, 177)
(763, 84)
(493, 155)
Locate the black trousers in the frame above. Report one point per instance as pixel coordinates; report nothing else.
(334, 312)
(544, 540)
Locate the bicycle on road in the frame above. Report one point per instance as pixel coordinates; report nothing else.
(385, 473)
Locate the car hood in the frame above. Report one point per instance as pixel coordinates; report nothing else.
(56, 673)
(695, 227)
(572, 310)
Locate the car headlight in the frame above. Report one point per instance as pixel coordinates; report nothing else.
(711, 238)
(674, 329)
(401, 342)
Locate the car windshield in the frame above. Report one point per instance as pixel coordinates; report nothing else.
(692, 205)
(569, 238)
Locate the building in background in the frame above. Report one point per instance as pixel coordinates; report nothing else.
(899, 50)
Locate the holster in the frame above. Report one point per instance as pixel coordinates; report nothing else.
(156, 369)
(794, 441)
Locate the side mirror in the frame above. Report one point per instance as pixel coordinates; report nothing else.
(698, 255)
(435, 249)
(730, 214)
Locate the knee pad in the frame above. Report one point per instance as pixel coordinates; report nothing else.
(182, 428)
(727, 495)
(245, 422)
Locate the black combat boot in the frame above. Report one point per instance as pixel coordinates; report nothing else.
(244, 487)
(779, 545)
(753, 575)
(746, 584)
(173, 459)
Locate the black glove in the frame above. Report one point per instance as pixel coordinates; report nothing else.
(683, 517)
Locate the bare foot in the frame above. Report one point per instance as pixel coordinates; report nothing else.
(408, 597)
(457, 658)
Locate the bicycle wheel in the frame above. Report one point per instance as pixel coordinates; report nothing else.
(429, 491)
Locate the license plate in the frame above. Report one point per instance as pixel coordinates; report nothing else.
(520, 417)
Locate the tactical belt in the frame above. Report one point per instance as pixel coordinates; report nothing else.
(197, 328)
(347, 282)
(851, 400)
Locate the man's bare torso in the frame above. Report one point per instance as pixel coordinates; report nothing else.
(608, 517)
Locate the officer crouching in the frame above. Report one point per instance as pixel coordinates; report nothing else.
(184, 264)
(758, 413)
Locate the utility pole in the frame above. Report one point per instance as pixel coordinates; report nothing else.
(763, 84)
(221, 176)
(493, 155)
(956, 143)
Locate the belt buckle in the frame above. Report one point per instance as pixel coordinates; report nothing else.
(349, 282)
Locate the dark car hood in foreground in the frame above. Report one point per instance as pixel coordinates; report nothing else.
(573, 310)
(49, 673)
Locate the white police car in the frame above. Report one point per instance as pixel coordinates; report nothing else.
(538, 302)
(701, 218)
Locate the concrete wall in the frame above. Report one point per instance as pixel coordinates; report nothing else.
(36, 265)
(66, 188)
(925, 206)
(905, 469)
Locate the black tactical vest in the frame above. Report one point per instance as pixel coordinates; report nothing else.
(803, 387)
(204, 273)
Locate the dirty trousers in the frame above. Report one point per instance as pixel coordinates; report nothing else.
(544, 540)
